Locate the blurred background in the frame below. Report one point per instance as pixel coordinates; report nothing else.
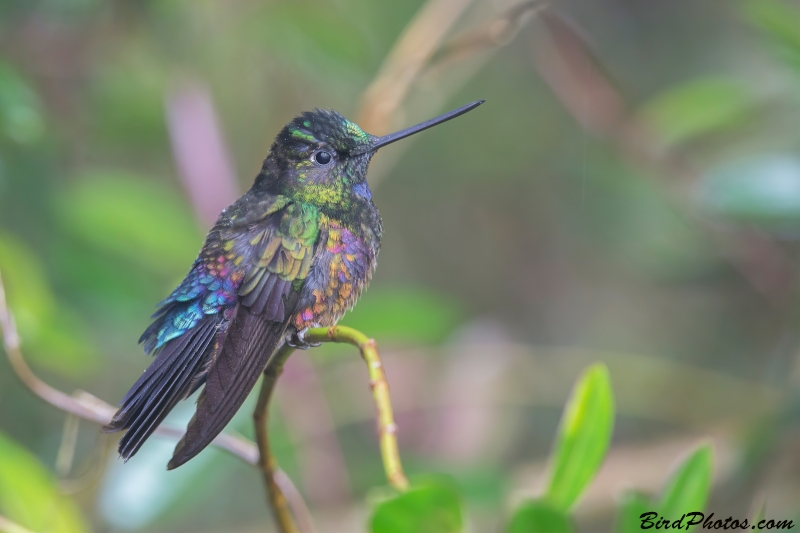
(630, 194)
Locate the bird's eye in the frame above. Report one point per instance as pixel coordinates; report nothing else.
(322, 157)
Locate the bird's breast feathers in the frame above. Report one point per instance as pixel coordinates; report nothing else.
(343, 265)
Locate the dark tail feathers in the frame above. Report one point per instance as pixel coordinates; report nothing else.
(176, 372)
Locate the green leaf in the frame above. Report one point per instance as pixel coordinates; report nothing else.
(56, 338)
(538, 516)
(689, 486)
(764, 190)
(633, 505)
(133, 218)
(781, 22)
(699, 107)
(404, 313)
(431, 507)
(20, 112)
(583, 439)
(28, 493)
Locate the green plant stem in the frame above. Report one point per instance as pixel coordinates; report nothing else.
(266, 461)
(387, 429)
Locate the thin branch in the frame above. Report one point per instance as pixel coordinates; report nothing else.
(387, 429)
(103, 449)
(278, 499)
(405, 61)
(421, 56)
(84, 405)
(89, 407)
(296, 502)
(282, 493)
(281, 501)
(493, 34)
(69, 440)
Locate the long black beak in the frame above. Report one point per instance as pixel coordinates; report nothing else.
(396, 136)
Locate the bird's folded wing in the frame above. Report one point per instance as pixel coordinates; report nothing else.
(243, 355)
(284, 246)
(283, 252)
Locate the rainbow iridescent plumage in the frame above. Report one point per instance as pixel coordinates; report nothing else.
(345, 266)
(209, 288)
(294, 252)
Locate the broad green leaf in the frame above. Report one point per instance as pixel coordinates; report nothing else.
(688, 488)
(538, 516)
(763, 190)
(28, 493)
(431, 507)
(408, 314)
(781, 22)
(134, 218)
(52, 336)
(583, 438)
(699, 107)
(20, 112)
(629, 516)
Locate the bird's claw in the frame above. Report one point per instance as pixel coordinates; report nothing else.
(297, 340)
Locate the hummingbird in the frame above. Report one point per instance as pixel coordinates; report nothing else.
(293, 253)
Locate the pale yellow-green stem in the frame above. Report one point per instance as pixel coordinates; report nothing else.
(387, 429)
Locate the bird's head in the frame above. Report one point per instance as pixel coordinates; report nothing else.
(322, 158)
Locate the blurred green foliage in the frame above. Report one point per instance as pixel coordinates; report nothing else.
(58, 340)
(430, 506)
(29, 494)
(20, 111)
(579, 449)
(583, 438)
(539, 515)
(686, 491)
(633, 504)
(523, 225)
(688, 488)
(778, 20)
(132, 218)
(699, 107)
(300, 31)
(406, 314)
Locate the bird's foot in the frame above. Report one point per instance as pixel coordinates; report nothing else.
(297, 340)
